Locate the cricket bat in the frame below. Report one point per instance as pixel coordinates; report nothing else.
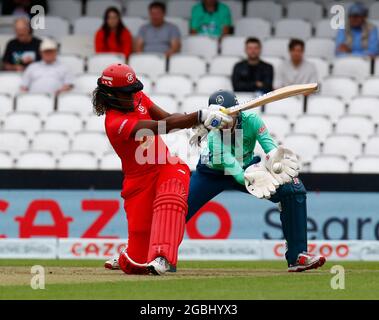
(275, 95)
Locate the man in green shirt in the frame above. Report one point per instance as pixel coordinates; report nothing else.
(228, 162)
(211, 18)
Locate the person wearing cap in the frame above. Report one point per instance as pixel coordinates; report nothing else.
(48, 75)
(359, 37)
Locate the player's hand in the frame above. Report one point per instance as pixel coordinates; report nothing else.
(215, 118)
(283, 164)
(259, 182)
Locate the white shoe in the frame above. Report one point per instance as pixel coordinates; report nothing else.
(158, 266)
(112, 263)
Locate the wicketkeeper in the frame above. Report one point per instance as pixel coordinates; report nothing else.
(228, 162)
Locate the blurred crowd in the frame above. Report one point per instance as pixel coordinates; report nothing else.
(42, 71)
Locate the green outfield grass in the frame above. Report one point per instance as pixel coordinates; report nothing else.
(68, 279)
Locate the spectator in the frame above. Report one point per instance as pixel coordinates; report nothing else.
(113, 36)
(297, 70)
(359, 38)
(211, 18)
(253, 74)
(158, 35)
(21, 7)
(49, 75)
(22, 50)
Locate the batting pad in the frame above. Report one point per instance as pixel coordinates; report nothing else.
(169, 212)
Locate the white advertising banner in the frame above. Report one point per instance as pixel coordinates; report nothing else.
(28, 248)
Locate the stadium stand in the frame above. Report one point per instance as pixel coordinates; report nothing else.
(335, 130)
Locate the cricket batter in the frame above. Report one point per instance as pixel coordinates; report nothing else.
(155, 186)
(230, 164)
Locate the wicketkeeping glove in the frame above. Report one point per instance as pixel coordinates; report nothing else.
(259, 182)
(283, 164)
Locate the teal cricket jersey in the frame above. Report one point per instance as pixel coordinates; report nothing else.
(233, 152)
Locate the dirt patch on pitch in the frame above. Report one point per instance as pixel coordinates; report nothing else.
(23, 276)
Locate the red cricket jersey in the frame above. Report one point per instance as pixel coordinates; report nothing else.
(138, 156)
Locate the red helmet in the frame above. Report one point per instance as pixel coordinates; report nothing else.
(119, 77)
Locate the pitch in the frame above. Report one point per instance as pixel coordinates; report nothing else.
(71, 279)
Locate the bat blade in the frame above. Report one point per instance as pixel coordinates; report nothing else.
(279, 94)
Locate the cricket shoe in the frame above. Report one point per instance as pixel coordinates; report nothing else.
(306, 261)
(112, 263)
(158, 266)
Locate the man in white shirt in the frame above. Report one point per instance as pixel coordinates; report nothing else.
(296, 70)
(48, 75)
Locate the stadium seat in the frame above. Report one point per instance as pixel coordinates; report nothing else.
(110, 161)
(147, 83)
(87, 25)
(200, 45)
(28, 122)
(319, 125)
(73, 62)
(338, 86)
(78, 161)
(6, 103)
(368, 106)
(138, 8)
(189, 65)
(42, 104)
(332, 107)
(359, 125)
(321, 48)
(10, 82)
(355, 67)
(181, 23)
(68, 9)
(98, 62)
(233, 45)
(374, 11)
(277, 47)
(306, 10)
(209, 83)
(177, 85)
(365, 164)
(291, 107)
(133, 24)
(235, 8)
(55, 142)
(372, 146)
(13, 141)
(81, 45)
(95, 142)
(36, 160)
(6, 161)
(376, 66)
(180, 8)
(324, 29)
(347, 145)
(194, 102)
(66, 122)
(330, 164)
(75, 102)
(274, 61)
(95, 8)
(268, 10)
(4, 39)
(85, 83)
(55, 27)
(252, 27)
(166, 101)
(305, 146)
(322, 66)
(277, 125)
(223, 65)
(148, 63)
(95, 123)
(293, 28)
(370, 86)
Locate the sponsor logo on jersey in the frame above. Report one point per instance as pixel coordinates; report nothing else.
(142, 109)
(122, 126)
(262, 129)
